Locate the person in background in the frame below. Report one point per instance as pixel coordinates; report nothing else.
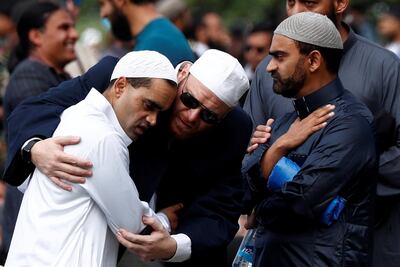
(139, 19)
(47, 37)
(257, 44)
(389, 27)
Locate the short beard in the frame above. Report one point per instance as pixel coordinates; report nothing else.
(120, 26)
(332, 15)
(291, 86)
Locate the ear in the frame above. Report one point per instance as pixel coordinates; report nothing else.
(183, 70)
(341, 6)
(120, 86)
(35, 37)
(314, 61)
(119, 3)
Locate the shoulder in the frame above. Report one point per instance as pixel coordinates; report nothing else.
(32, 67)
(373, 51)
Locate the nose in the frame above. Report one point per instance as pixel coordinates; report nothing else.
(194, 114)
(152, 118)
(271, 66)
(73, 34)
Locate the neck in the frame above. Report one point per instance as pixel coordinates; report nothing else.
(36, 55)
(344, 32)
(139, 16)
(315, 83)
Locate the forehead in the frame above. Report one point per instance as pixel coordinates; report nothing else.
(283, 44)
(203, 94)
(259, 37)
(311, 4)
(59, 17)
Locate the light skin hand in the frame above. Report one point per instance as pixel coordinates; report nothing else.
(260, 136)
(49, 157)
(159, 245)
(172, 213)
(251, 221)
(298, 133)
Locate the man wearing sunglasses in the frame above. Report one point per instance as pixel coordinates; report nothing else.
(193, 156)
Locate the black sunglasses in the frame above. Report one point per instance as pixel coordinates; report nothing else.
(191, 102)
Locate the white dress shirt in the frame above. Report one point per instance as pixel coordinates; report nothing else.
(60, 228)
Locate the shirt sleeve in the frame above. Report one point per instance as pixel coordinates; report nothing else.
(39, 116)
(183, 248)
(333, 167)
(389, 161)
(112, 188)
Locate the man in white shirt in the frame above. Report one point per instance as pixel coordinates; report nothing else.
(77, 228)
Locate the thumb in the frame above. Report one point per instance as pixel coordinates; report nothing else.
(176, 207)
(67, 140)
(269, 122)
(153, 223)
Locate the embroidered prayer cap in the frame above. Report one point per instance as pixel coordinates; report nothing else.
(311, 28)
(222, 74)
(144, 64)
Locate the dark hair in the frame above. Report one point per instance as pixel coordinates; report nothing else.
(331, 56)
(263, 27)
(143, 2)
(34, 16)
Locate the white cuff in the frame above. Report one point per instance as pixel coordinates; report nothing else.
(183, 248)
(164, 221)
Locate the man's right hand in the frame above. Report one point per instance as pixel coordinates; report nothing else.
(260, 136)
(49, 157)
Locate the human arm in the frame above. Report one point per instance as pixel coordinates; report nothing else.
(298, 133)
(111, 186)
(389, 137)
(39, 116)
(341, 161)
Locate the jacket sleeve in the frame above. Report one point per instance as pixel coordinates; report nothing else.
(389, 161)
(333, 167)
(39, 116)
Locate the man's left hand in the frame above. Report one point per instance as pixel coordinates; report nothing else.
(159, 245)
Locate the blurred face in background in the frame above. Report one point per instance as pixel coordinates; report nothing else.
(389, 26)
(324, 7)
(257, 47)
(119, 23)
(57, 40)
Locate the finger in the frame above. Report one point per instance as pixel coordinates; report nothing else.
(133, 238)
(78, 162)
(153, 222)
(70, 178)
(176, 207)
(318, 127)
(269, 122)
(259, 134)
(251, 148)
(322, 111)
(74, 170)
(67, 140)
(260, 128)
(57, 181)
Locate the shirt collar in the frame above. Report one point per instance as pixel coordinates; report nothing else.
(98, 101)
(307, 104)
(351, 38)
